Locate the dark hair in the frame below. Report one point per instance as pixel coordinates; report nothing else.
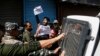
(48, 19)
(25, 24)
(2, 31)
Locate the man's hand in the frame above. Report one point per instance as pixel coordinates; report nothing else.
(61, 36)
(35, 35)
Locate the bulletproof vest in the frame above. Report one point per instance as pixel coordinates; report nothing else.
(76, 37)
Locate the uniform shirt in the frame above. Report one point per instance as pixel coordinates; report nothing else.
(26, 36)
(44, 30)
(18, 49)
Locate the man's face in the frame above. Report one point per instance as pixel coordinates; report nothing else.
(29, 27)
(15, 32)
(52, 33)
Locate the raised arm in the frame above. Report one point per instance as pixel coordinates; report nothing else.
(37, 31)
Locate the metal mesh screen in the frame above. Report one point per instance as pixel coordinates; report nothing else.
(74, 37)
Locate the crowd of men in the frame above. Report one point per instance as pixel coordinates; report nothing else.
(14, 41)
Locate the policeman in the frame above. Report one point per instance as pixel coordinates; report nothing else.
(27, 32)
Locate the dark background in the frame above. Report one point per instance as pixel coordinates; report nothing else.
(11, 10)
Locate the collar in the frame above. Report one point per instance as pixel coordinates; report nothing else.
(27, 31)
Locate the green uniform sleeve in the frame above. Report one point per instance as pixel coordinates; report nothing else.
(19, 49)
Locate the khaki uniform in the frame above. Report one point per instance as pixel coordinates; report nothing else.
(26, 36)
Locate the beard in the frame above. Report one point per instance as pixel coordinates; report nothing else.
(30, 29)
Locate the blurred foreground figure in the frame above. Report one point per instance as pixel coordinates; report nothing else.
(12, 31)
